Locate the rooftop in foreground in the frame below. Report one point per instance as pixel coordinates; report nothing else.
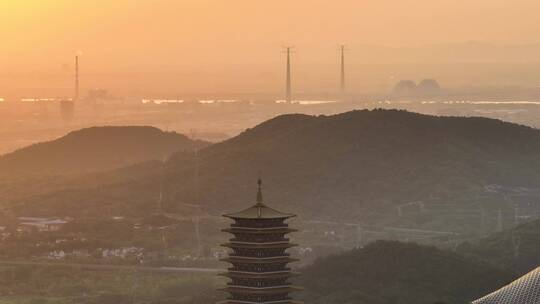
(525, 290)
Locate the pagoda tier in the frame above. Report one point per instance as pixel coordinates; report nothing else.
(242, 260)
(259, 275)
(289, 301)
(259, 271)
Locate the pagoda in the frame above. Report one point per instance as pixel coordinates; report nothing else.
(259, 271)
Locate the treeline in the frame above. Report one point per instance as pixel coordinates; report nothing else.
(387, 272)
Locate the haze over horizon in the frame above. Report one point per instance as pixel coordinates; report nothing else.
(203, 46)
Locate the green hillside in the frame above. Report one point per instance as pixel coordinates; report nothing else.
(353, 164)
(357, 165)
(517, 249)
(94, 149)
(404, 273)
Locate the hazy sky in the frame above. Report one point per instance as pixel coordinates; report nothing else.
(219, 36)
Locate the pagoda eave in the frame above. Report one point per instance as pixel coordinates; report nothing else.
(249, 302)
(261, 290)
(258, 275)
(284, 259)
(259, 230)
(259, 245)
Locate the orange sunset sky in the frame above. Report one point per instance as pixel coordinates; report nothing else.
(230, 44)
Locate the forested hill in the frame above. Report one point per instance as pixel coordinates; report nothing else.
(392, 272)
(347, 163)
(357, 165)
(517, 249)
(94, 149)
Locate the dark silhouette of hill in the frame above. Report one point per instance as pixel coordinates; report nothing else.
(95, 149)
(391, 272)
(517, 249)
(348, 164)
(356, 165)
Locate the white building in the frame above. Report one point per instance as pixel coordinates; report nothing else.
(40, 224)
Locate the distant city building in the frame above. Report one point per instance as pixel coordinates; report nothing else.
(40, 224)
(525, 290)
(259, 272)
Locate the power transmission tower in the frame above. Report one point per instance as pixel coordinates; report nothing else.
(196, 219)
(288, 89)
(342, 74)
(161, 209)
(76, 97)
(516, 242)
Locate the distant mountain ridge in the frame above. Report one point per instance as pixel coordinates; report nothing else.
(348, 162)
(357, 165)
(95, 149)
(392, 272)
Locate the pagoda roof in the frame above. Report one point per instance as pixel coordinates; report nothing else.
(259, 275)
(259, 210)
(261, 290)
(235, 244)
(250, 260)
(521, 291)
(269, 302)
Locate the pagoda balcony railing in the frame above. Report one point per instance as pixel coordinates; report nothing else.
(259, 298)
(267, 252)
(280, 301)
(258, 225)
(279, 255)
(277, 269)
(281, 240)
(259, 284)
